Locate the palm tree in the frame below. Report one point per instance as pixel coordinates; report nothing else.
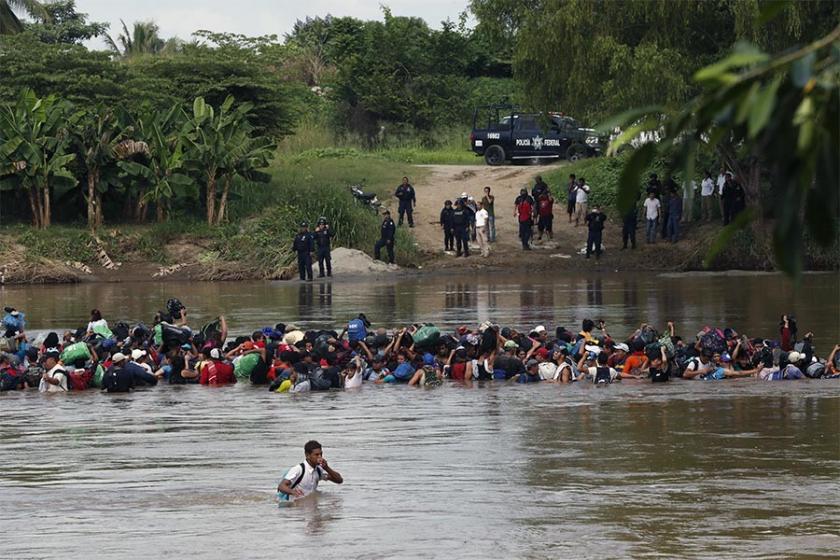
(144, 38)
(9, 22)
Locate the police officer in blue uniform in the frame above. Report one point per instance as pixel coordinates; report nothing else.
(323, 240)
(302, 245)
(386, 238)
(407, 198)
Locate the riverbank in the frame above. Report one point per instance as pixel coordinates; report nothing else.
(256, 244)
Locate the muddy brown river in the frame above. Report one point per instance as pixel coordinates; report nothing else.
(733, 469)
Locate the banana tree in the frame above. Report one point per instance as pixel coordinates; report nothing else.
(160, 172)
(210, 136)
(245, 157)
(34, 156)
(101, 140)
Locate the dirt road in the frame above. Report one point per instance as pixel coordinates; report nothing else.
(449, 181)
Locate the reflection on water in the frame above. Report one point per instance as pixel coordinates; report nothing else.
(732, 469)
(750, 303)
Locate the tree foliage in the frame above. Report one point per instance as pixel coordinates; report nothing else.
(63, 24)
(774, 122)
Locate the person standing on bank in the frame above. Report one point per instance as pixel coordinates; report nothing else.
(481, 218)
(323, 241)
(405, 194)
(523, 213)
(302, 480)
(571, 194)
(581, 201)
(595, 220)
(461, 225)
(386, 238)
(303, 245)
(628, 228)
(447, 226)
(487, 202)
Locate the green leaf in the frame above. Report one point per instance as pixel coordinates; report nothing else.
(629, 134)
(802, 69)
(765, 102)
(744, 54)
(725, 236)
(746, 104)
(804, 119)
(629, 181)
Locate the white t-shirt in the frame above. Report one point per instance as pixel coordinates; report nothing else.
(547, 370)
(58, 372)
(696, 365)
(481, 218)
(100, 323)
(309, 482)
(652, 208)
(353, 382)
(707, 187)
(582, 194)
(594, 370)
(721, 180)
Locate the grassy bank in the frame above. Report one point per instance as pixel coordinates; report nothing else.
(256, 243)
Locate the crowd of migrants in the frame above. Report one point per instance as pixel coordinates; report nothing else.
(285, 358)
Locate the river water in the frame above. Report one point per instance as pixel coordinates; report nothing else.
(691, 469)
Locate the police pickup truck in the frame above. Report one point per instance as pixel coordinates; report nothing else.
(501, 133)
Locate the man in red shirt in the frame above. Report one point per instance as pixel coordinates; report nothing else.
(216, 372)
(523, 213)
(545, 211)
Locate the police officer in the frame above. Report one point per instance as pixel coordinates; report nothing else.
(461, 223)
(302, 245)
(323, 237)
(386, 238)
(405, 194)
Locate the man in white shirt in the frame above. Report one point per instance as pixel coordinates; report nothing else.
(581, 200)
(54, 380)
(481, 218)
(707, 197)
(652, 205)
(301, 480)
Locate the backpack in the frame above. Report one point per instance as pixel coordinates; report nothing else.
(602, 375)
(653, 350)
(298, 479)
(658, 375)
(648, 334)
(121, 331)
(9, 381)
(430, 378)
(79, 379)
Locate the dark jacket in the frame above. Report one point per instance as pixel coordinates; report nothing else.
(596, 220)
(139, 374)
(303, 243)
(387, 230)
(405, 193)
(324, 237)
(117, 380)
(460, 218)
(446, 218)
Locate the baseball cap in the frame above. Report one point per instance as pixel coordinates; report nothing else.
(510, 344)
(592, 348)
(539, 329)
(118, 357)
(136, 354)
(542, 353)
(52, 353)
(531, 363)
(622, 346)
(725, 357)
(463, 195)
(248, 345)
(428, 359)
(215, 354)
(794, 357)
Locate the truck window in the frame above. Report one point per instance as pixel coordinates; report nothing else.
(526, 122)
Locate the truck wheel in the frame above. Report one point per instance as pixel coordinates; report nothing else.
(494, 155)
(576, 152)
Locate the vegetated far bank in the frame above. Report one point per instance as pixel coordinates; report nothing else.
(255, 243)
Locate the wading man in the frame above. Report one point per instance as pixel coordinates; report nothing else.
(302, 480)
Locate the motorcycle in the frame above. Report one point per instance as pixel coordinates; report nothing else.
(366, 199)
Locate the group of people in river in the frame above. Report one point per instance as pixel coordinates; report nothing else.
(287, 358)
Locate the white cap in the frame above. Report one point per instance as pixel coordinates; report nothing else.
(15, 313)
(622, 346)
(118, 357)
(794, 357)
(463, 195)
(592, 348)
(539, 329)
(470, 198)
(215, 354)
(136, 354)
(293, 337)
